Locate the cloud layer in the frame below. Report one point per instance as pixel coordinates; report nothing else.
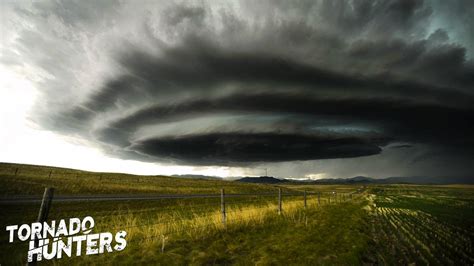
(245, 82)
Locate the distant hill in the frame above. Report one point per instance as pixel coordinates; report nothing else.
(353, 180)
(262, 180)
(198, 177)
(273, 180)
(422, 180)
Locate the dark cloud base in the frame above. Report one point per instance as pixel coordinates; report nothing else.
(239, 149)
(393, 121)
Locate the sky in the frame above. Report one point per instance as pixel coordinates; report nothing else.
(304, 89)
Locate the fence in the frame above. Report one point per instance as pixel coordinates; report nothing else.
(226, 209)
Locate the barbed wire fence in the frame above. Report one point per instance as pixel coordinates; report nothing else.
(202, 217)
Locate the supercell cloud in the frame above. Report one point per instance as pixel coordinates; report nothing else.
(247, 83)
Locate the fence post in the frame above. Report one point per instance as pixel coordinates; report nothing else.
(43, 215)
(329, 197)
(279, 200)
(319, 198)
(16, 171)
(224, 218)
(163, 239)
(50, 172)
(305, 198)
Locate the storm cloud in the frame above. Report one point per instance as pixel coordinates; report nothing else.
(250, 83)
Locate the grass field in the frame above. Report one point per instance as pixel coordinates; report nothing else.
(423, 224)
(387, 225)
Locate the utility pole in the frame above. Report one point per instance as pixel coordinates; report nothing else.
(266, 170)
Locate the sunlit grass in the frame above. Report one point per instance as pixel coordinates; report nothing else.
(18, 179)
(161, 236)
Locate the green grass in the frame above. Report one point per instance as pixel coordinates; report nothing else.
(386, 224)
(423, 224)
(328, 235)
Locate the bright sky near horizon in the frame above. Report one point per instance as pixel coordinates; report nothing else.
(22, 141)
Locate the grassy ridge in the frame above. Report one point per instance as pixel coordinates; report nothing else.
(18, 179)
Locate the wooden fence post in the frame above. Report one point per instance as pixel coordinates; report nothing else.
(279, 201)
(50, 172)
(45, 204)
(163, 239)
(16, 171)
(43, 215)
(224, 217)
(305, 198)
